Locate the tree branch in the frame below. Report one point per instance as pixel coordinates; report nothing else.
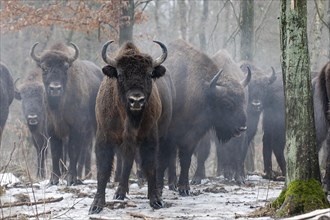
(43, 201)
(321, 18)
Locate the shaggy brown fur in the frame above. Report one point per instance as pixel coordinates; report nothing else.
(130, 131)
(199, 106)
(71, 114)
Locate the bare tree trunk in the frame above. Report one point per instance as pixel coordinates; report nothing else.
(183, 18)
(226, 24)
(202, 37)
(247, 29)
(193, 29)
(317, 33)
(126, 22)
(302, 173)
(158, 26)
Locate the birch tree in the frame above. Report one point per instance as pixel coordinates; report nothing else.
(303, 192)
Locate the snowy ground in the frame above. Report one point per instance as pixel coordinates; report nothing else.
(213, 199)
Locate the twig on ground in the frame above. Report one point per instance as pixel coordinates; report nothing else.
(12, 204)
(19, 216)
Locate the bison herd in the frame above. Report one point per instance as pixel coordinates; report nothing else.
(151, 111)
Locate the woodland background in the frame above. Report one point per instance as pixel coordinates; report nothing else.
(209, 25)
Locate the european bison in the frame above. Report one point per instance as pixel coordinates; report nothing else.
(6, 95)
(71, 87)
(32, 94)
(321, 98)
(205, 99)
(133, 110)
(231, 154)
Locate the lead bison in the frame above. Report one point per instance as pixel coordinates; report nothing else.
(31, 93)
(321, 98)
(133, 110)
(6, 95)
(205, 99)
(71, 86)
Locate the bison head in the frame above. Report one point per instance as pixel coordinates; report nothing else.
(134, 72)
(55, 65)
(258, 89)
(32, 96)
(227, 101)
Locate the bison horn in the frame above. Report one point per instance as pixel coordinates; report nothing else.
(247, 79)
(33, 55)
(272, 77)
(105, 57)
(162, 58)
(17, 93)
(213, 81)
(76, 55)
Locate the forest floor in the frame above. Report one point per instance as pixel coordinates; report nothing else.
(213, 199)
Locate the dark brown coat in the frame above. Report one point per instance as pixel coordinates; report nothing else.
(71, 86)
(133, 111)
(204, 100)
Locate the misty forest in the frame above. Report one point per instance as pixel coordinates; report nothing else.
(164, 109)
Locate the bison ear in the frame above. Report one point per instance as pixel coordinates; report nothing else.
(158, 71)
(110, 71)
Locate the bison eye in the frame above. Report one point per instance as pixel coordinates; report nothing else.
(45, 70)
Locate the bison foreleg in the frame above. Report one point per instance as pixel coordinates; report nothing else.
(185, 161)
(202, 151)
(148, 156)
(104, 158)
(166, 156)
(128, 158)
(56, 149)
(77, 143)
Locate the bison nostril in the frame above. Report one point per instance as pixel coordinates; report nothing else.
(131, 101)
(141, 101)
(242, 128)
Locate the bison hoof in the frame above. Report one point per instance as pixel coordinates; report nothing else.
(119, 197)
(196, 180)
(184, 192)
(97, 205)
(172, 187)
(157, 204)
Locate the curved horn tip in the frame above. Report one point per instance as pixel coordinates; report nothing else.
(32, 53)
(163, 57)
(15, 84)
(77, 51)
(247, 79)
(105, 57)
(214, 80)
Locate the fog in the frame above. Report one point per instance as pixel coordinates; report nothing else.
(160, 20)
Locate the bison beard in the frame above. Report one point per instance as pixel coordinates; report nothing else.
(131, 112)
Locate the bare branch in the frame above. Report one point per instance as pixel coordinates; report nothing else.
(43, 201)
(217, 21)
(319, 14)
